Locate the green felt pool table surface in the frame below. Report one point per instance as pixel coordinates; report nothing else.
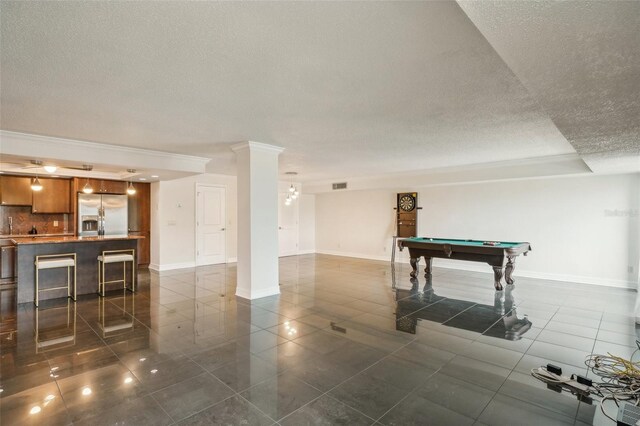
(503, 244)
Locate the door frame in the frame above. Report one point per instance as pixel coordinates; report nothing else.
(195, 220)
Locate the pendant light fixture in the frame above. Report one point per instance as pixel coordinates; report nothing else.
(130, 189)
(36, 185)
(293, 191)
(87, 188)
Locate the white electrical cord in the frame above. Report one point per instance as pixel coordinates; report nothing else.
(620, 378)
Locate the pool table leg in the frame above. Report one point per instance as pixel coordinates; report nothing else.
(497, 275)
(427, 269)
(508, 270)
(414, 266)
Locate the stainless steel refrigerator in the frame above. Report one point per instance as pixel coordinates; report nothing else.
(102, 214)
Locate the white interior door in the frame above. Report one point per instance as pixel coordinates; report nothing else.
(210, 225)
(287, 226)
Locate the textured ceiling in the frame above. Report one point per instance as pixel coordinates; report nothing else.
(348, 88)
(581, 61)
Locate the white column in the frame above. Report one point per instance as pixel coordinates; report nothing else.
(257, 219)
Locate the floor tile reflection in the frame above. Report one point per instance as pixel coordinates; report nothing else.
(347, 341)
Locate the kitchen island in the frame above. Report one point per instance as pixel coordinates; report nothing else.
(87, 250)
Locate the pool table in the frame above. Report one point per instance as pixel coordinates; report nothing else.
(501, 256)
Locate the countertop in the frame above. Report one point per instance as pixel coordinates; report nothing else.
(56, 234)
(71, 239)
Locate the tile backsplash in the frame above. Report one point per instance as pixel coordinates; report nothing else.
(23, 220)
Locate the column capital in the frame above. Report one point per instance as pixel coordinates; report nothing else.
(256, 146)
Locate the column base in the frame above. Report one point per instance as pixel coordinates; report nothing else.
(265, 292)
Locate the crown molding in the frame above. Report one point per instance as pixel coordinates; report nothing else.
(26, 144)
(256, 146)
(528, 168)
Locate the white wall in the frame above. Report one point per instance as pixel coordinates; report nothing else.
(573, 236)
(307, 224)
(173, 220)
(174, 212)
(355, 223)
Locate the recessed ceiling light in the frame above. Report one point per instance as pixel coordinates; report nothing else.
(50, 169)
(155, 176)
(142, 178)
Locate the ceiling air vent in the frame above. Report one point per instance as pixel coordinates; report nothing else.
(341, 185)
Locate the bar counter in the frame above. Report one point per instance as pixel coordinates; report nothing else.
(55, 234)
(70, 239)
(87, 250)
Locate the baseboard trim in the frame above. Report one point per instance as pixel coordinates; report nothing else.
(181, 265)
(441, 263)
(356, 255)
(580, 279)
(310, 251)
(248, 294)
(172, 266)
(478, 267)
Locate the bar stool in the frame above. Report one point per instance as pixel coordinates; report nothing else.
(52, 331)
(117, 256)
(53, 261)
(114, 320)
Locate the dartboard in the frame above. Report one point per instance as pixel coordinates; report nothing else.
(407, 203)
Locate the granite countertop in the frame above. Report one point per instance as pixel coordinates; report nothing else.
(71, 239)
(56, 234)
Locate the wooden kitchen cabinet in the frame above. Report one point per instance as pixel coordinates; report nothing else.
(144, 247)
(139, 206)
(15, 190)
(55, 196)
(101, 186)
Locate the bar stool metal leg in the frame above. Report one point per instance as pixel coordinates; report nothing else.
(55, 261)
(116, 256)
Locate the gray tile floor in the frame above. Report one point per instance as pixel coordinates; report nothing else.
(348, 341)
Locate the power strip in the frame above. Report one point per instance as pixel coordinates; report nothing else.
(569, 382)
